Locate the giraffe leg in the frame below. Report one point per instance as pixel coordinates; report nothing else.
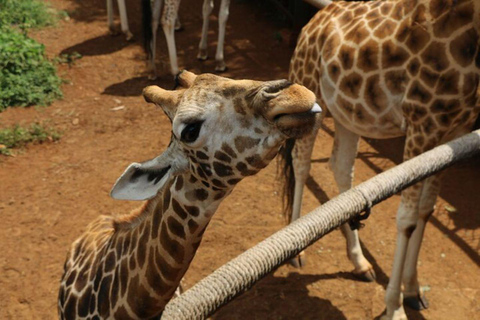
(168, 26)
(124, 19)
(202, 47)
(223, 17)
(413, 297)
(111, 26)
(156, 10)
(342, 164)
(302, 155)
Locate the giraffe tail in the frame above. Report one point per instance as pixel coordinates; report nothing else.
(147, 26)
(285, 172)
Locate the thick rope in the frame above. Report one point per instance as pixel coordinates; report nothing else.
(241, 273)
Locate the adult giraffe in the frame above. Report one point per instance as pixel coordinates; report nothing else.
(128, 267)
(386, 69)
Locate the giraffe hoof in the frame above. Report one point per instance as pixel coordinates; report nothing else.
(299, 261)
(418, 302)
(129, 36)
(220, 67)
(202, 55)
(366, 276)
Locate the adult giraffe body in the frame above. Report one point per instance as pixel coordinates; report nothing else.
(223, 130)
(386, 69)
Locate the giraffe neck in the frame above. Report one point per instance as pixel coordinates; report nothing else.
(161, 243)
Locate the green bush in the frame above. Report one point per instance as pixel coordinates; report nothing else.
(27, 77)
(26, 13)
(19, 136)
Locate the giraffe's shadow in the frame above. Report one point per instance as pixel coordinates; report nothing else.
(280, 298)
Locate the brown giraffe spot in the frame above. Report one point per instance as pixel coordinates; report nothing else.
(192, 210)
(397, 12)
(374, 95)
(219, 195)
(142, 248)
(374, 23)
(333, 71)
(201, 194)
(232, 91)
(124, 274)
(346, 17)
(71, 278)
(470, 83)
(368, 56)
(173, 247)
(206, 184)
(445, 106)
(222, 156)
(418, 93)
(104, 294)
(233, 181)
(452, 20)
(428, 77)
(418, 113)
(83, 303)
(464, 47)
(372, 15)
(207, 169)
(361, 115)
(256, 161)
(70, 306)
(192, 226)
(144, 304)
(217, 183)
(114, 293)
(121, 313)
(413, 67)
(222, 170)
(257, 130)
(419, 140)
(202, 155)
(393, 55)
(346, 56)
(110, 261)
(175, 227)
(192, 179)
(357, 34)
(345, 105)
(330, 47)
(448, 83)
(243, 143)
(244, 171)
(351, 84)
(178, 209)
(395, 81)
(386, 29)
(166, 270)
(417, 39)
(435, 56)
(132, 264)
(361, 10)
(385, 8)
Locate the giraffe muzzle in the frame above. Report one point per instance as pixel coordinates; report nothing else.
(298, 124)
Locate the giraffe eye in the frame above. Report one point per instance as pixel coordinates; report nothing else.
(191, 131)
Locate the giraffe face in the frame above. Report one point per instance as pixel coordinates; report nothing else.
(222, 131)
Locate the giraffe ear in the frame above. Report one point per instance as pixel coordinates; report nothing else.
(142, 181)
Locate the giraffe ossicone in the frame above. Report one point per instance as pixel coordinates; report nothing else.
(128, 267)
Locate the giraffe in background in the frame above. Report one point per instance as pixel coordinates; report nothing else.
(128, 267)
(165, 12)
(156, 12)
(385, 69)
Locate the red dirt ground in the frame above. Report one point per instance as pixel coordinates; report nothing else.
(50, 192)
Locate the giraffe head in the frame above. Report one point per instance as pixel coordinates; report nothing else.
(222, 131)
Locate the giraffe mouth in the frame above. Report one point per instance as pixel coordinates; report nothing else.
(296, 125)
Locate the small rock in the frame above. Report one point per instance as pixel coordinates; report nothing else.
(75, 121)
(118, 108)
(443, 255)
(2, 146)
(450, 208)
(117, 101)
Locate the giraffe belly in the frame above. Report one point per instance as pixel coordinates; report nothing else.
(369, 125)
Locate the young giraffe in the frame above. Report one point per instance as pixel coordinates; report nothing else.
(386, 69)
(223, 130)
(169, 11)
